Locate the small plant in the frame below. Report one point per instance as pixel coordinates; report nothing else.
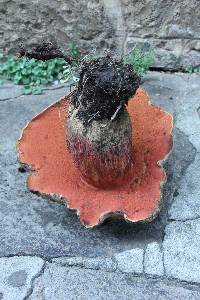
(73, 50)
(140, 60)
(70, 72)
(191, 69)
(31, 73)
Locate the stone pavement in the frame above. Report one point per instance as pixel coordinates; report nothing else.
(45, 253)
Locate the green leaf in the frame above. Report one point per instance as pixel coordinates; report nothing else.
(27, 90)
(60, 75)
(189, 69)
(73, 50)
(38, 82)
(25, 80)
(36, 90)
(44, 81)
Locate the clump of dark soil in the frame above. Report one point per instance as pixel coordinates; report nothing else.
(104, 88)
(43, 51)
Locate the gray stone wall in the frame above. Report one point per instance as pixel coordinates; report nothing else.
(171, 28)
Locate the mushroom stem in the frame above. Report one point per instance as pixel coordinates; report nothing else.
(102, 149)
(99, 131)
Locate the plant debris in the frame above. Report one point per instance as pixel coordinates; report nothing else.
(44, 51)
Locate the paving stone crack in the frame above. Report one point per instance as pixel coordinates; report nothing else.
(163, 252)
(40, 273)
(54, 87)
(89, 268)
(184, 220)
(11, 98)
(198, 111)
(45, 258)
(143, 260)
(164, 279)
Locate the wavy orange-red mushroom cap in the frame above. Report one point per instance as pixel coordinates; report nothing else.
(43, 148)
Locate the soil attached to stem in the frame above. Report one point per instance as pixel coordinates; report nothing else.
(104, 88)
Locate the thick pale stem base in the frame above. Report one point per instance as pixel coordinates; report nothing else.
(102, 149)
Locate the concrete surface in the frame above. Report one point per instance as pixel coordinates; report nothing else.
(46, 254)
